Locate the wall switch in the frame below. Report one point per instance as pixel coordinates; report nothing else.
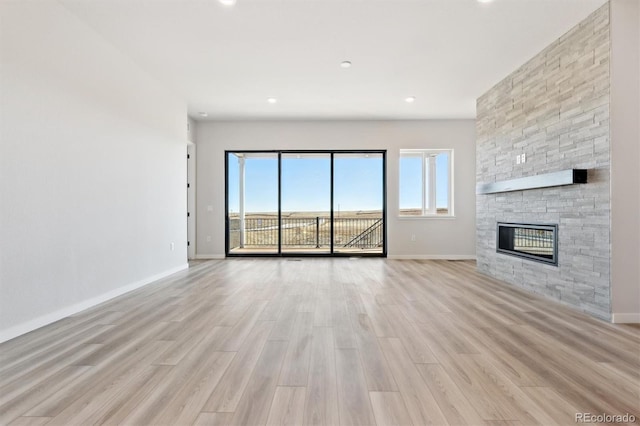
(209, 208)
(172, 246)
(524, 158)
(208, 238)
(518, 159)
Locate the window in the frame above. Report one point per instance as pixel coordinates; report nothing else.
(426, 182)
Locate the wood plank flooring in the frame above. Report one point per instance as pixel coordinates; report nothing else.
(322, 342)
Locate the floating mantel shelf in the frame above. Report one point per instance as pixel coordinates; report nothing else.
(564, 177)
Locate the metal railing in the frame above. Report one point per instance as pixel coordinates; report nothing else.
(370, 237)
(307, 232)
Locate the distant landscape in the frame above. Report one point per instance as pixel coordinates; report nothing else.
(341, 214)
(418, 212)
(308, 229)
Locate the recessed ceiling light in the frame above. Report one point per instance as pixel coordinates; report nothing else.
(203, 114)
(410, 99)
(485, 1)
(227, 2)
(345, 64)
(272, 100)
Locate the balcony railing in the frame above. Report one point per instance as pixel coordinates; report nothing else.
(307, 232)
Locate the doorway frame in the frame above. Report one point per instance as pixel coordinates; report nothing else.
(331, 253)
(191, 200)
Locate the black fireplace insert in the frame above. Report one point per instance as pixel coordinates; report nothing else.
(529, 241)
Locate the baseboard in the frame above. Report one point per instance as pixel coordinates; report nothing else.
(210, 256)
(43, 320)
(431, 257)
(626, 318)
(390, 256)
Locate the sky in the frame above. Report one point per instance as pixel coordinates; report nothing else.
(306, 183)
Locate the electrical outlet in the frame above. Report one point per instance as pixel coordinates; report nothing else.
(413, 237)
(172, 246)
(524, 158)
(518, 159)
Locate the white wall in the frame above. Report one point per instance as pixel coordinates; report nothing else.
(625, 160)
(447, 238)
(192, 130)
(92, 169)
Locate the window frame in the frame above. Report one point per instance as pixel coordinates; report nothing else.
(429, 182)
(280, 252)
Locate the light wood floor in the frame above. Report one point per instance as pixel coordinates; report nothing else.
(322, 341)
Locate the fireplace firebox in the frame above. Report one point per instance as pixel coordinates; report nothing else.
(529, 241)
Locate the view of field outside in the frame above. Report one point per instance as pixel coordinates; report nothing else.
(306, 199)
(311, 230)
(306, 202)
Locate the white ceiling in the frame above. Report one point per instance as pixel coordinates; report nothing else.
(227, 61)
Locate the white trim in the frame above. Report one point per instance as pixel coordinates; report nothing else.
(431, 257)
(210, 256)
(425, 217)
(452, 173)
(429, 183)
(192, 200)
(417, 151)
(625, 318)
(52, 317)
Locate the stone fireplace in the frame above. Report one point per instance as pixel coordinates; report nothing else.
(556, 110)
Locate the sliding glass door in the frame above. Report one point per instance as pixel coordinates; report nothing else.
(358, 195)
(305, 203)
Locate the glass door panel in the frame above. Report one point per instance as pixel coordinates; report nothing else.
(252, 202)
(306, 203)
(358, 203)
